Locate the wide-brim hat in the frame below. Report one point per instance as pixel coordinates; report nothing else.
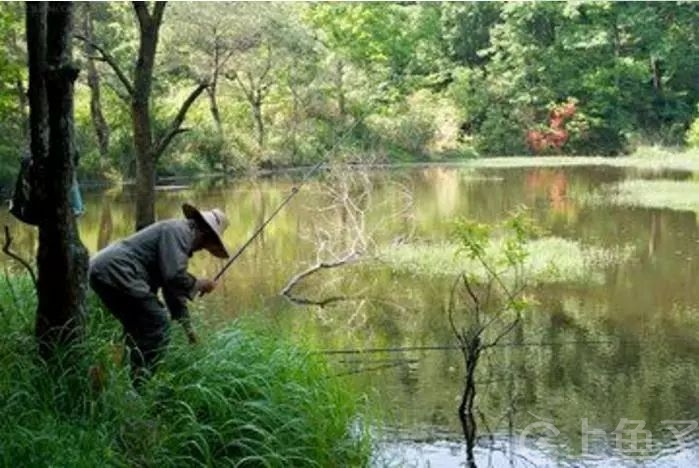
(214, 222)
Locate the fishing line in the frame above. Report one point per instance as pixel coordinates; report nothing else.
(401, 349)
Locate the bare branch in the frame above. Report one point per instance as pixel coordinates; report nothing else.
(474, 298)
(451, 311)
(174, 128)
(268, 67)
(233, 76)
(126, 98)
(322, 303)
(8, 252)
(295, 280)
(106, 57)
(507, 330)
(497, 277)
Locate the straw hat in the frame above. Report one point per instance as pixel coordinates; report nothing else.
(212, 221)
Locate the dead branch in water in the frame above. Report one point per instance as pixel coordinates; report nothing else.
(352, 257)
(343, 235)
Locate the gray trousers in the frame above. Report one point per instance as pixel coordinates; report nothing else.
(146, 326)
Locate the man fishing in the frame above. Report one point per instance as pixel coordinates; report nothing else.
(128, 274)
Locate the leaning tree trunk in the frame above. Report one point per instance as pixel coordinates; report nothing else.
(62, 258)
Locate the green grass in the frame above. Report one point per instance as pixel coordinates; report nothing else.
(241, 398)
(663, 193)
(549, 260)
(648, 158)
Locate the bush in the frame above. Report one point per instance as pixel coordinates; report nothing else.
(242, 398)
(692, 136)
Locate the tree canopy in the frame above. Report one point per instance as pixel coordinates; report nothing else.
(428, 81)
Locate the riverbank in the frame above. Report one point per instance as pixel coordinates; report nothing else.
(644, 158)
(651, 158)
(241, 396)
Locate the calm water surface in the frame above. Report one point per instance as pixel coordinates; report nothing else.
(600, 374)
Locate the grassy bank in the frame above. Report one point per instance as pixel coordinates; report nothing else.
(240, 398)
(549, 260)
(648, 158)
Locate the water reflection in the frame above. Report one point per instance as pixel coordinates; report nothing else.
(625, 349)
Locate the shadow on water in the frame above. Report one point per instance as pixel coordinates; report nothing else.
(618, 371)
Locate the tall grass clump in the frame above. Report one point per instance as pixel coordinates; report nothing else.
(240, 398)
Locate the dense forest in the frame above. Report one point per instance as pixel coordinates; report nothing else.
(234, 86)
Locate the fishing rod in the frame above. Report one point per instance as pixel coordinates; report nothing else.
(294, 191)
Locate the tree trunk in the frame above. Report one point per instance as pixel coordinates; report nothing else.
(216, 115)
(93, 81)
(339, 77)
(145, 165)
(256, 105)
(657, 74)
(140, 116)
(468, 422)
(22, 103)
(38, 102)
(213, 87)
(213, 106)
(294, 121)
(62, 258)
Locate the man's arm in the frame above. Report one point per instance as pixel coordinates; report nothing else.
(178, 284)
(176, 300)
(189, 330)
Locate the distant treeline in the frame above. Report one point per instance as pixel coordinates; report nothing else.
(423, 81)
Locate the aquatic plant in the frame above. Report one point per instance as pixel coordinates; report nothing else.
(672, 194)
(548, 259)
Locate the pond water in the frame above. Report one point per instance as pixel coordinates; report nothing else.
(603, 371)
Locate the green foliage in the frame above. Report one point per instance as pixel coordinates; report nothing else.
(597, 53)
(242, 398)
(432, 80)
(12, 74)
(662, 193)
(548, 260)
(692, 136)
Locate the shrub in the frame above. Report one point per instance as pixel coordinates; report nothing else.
(692, 136)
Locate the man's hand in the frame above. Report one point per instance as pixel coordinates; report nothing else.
(192, 337)
(189, 330)
(205, 286)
